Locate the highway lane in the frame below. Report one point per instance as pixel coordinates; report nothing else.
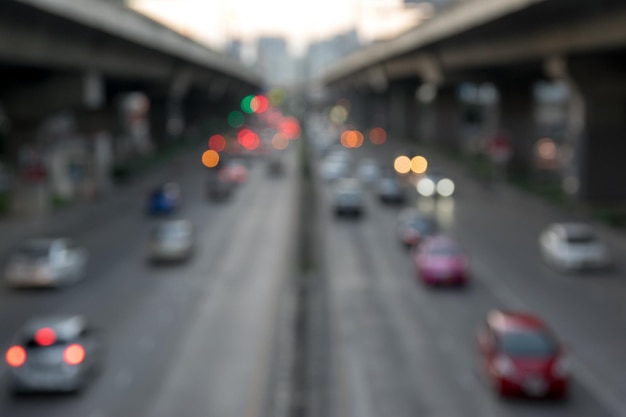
(408, 350)
(147, 313)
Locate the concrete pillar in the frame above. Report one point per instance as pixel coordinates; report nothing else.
(397, 110)
(516, 114)
(448, 117)
(601, 152)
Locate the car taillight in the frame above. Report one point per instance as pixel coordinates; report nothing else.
(16, 356)
(74, 354)
(45, 337)
(504, 365)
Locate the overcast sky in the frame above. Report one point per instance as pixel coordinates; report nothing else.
(300, 21)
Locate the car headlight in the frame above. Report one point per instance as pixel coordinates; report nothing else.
(445, 187)
(426, 187)
(504, 365)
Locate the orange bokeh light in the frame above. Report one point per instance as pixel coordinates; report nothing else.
(419, 164)
(402, 165)
(352, 139)
(210, 158)
(217, 143)
(378, 136)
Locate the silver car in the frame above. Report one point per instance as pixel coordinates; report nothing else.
(171, 240)
(348, 198)
(54, 354)
(46, 263)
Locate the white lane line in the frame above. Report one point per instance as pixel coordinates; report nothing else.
(584, 374)
(123, 378)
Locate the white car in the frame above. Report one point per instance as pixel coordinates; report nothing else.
(368, 171)
(332, 170)
(171, 240)
(573, 246)
(46, 263)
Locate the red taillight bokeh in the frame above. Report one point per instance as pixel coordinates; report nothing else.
(45, 336)
(15, 356)
(74, 354)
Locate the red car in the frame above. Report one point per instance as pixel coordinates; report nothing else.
(440, 260)
(521, 356)
(234, 172)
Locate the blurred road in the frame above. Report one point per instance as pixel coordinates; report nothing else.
(193, 339)
(405, 350)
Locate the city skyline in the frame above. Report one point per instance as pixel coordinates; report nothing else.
(216, 23)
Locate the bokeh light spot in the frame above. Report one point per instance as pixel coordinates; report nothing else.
(246, 104)
(445, 187)
(290, 127)
(546, 149)
(276, 96)
(338, 114)
(45, 336)
(378, 136)
(210, 158)
(402, 164)
(235, 119)
(352, 139)
(74, 354)
(426, 187)
(248, 139)
(419, 164)
(261, 104)
(217, 143)
(16, 356)
(280, 141)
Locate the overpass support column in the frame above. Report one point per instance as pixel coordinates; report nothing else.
(600, 153)
(517, 122)
(448, 115)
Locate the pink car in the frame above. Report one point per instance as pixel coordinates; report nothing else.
(440, 260)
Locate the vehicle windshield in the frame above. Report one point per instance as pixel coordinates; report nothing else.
(170, 231)
(34, 250)
(447, 251)
(527, 344)
(424, 226)
(581, 239)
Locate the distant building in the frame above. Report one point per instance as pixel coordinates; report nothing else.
(323, 54)
(235, 49)
(274, 62)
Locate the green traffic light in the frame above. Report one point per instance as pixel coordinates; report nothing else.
(246, 104)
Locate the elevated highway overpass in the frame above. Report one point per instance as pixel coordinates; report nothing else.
(513, 46)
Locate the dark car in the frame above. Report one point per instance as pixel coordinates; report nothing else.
(413, 226)
(275, 167)
(390, 191)
(165, 199)
(219, 189)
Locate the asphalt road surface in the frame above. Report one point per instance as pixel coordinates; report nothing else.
(194, 339)
(401, 349)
